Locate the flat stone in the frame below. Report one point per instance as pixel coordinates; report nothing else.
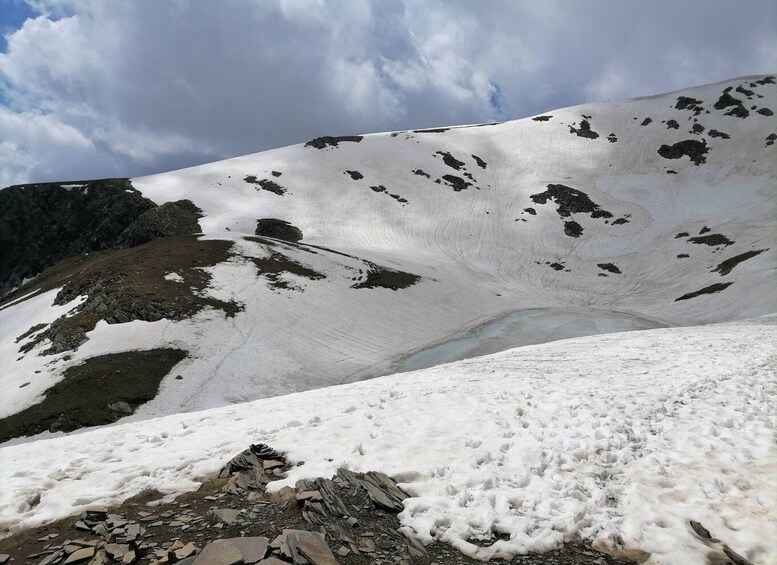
(343, 551)
(48, 560)
(80, 555)
(271, 464)
(367, 545)
(186, 551)
(219, 552)
(310, 545)
(117, 550)
(227, 515)
(4, 558)
(251, 548)
(133, 531)
(100, 558)
(309, 495)
(272, 561)
(129, 557)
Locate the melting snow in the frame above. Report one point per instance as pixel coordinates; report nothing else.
(621, 438)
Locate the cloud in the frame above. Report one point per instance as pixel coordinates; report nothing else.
(93, 88)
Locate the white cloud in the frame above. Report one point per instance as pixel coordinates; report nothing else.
(152, 86)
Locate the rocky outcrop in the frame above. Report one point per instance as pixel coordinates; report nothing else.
(42, 224)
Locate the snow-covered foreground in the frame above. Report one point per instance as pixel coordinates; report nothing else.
(621, 438)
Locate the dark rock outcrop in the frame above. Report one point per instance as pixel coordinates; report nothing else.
(278, 229)
(41, 224)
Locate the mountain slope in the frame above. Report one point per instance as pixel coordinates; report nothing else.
(332, 261)
(620, 439)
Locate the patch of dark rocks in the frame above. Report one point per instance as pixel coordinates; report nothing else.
(450, 160)
(130, 284)
(570, 201)
(584, 130)
(91, 216)
(609, 267)
(736, 108)
(278, 229)
(277, 266)
(694, 149)
(480, 162)
(725, 267)
(713, 240)
(266, 184)
(456, 183)
(713, 288)
(349, 519)
(331, 141)
(378, 276)
(382, 189)
(355, 175)
(720, 134)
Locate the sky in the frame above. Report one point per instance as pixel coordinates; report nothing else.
(99, 88)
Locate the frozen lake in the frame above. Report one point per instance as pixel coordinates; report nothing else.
(525, 327)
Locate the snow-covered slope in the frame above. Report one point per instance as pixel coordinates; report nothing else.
(622, 439)
(658, 208)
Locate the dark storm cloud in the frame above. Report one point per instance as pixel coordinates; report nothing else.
(97, 88)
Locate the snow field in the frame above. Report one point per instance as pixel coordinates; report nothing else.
(620, 438)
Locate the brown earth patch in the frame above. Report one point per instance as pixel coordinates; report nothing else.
(98, 391)
(129, 284)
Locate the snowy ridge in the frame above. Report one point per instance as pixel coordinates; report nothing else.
(621, 438)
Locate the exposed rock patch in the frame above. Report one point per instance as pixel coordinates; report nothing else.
(99, 391)
(277, 229)
(693, 149)
(712, 240)
(725, 267)
(355, 175)
(266, 184)
(450, 160)
(130, 284)
(480, 162)
(457, 183)
(573, 229)
(688, 103)
(329, 141)
(609, 267)
(728, 101)
(378, 276)
(720, 134)
(713, 288)
(382, 189)
(277, 265)
(541, 118)
(169, 219)
(584, 130)
(90, 216)
(570, 201)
